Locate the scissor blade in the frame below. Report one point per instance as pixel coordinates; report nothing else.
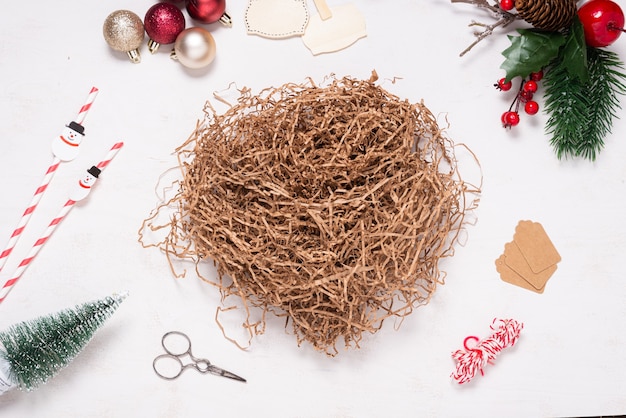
(225, 373)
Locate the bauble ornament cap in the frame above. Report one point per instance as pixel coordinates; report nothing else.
(124, 31)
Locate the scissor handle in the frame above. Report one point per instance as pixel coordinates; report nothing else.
(175, 348)
(172, 349)
(167, 357)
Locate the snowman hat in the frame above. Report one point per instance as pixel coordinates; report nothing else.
(94, 171)
(75, 126)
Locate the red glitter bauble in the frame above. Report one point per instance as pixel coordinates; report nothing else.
(206, 11)
(163, 23)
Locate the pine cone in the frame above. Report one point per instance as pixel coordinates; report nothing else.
(549, 15)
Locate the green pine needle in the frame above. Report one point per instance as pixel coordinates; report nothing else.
(581, 113)
(37, 349)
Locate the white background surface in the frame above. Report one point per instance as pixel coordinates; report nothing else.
(569, 360)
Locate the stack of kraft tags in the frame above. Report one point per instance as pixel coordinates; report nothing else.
(530, 259)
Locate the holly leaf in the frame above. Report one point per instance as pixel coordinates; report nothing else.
(574, 52)
(530, 52)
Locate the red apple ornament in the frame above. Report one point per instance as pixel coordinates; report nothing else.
(209, 11)
(603, 22)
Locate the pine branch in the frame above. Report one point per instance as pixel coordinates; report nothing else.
(581, 113)
(605, 83)
(566, 104)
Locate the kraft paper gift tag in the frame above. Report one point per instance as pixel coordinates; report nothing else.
(515, 260)
(530, 259)
(508, 275)
(535, 245)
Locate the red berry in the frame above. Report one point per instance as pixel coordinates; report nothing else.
(530, 86)
(507, 4)
(504, 85)
(531, 107)
(536, 76)
(510, 118)
(603, 22)
(525, 95)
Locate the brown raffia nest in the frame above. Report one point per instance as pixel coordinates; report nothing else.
(329, 205)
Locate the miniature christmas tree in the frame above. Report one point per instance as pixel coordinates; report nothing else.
(33, 351)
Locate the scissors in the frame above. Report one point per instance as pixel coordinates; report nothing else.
(178, 346)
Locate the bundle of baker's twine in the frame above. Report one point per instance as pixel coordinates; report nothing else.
(472, 360)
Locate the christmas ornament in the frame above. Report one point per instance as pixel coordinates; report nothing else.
(603, 22)
(563, 50)
(194, 48)
(471, 360)
(209, 11)
(300, 234)
(163, 23)
(32, 352)
(124, 31)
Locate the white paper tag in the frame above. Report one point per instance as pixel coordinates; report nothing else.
(6, 384)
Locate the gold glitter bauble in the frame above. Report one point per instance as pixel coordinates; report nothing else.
(123, 30)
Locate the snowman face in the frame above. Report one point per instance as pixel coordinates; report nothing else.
(83, 187)
(70, 136)
(87, 181)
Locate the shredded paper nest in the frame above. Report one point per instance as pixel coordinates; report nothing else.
(329, 205)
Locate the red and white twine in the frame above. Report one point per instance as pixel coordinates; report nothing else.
(472, 360)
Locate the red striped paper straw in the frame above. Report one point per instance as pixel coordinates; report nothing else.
(110, 155)
(52, 169)
(21, 268)
(17, 232)
(82, 113)
(8, 285)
